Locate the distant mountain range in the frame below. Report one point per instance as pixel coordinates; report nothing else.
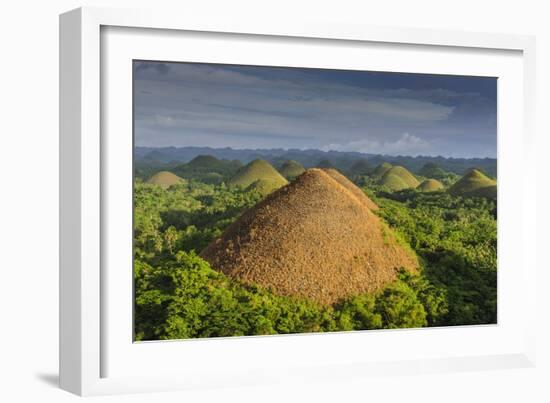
(156, 157)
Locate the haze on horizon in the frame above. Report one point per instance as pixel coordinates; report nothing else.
(248, 107)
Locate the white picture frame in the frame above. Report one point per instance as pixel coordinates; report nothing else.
(88, 341)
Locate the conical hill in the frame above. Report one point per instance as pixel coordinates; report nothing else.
(381, 169)
(430, 185)
(474, 183)
(165, 179)
(314, 239)
(398, 178)
(255, 171)
(291, 169)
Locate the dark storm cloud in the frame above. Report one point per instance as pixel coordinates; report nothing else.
(186, 104)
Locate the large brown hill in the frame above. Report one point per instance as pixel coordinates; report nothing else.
(313, 238)
(345, 182)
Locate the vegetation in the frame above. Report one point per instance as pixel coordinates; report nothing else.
(291, 169)
(360, 167)
(179, 295)
(165, 158)
(208, 169)
(431, 170)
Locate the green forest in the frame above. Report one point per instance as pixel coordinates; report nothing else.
(447, 220)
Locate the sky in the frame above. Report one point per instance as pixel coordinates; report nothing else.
(251, 107)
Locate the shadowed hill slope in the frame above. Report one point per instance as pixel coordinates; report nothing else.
(361, 167)
(204, 161)
(474, 183)
(381, 169)
(265, 186)
(431, 170)
(398, 178)
(430, 185)
(324, 163)
(313, 238)
(291, 169)
(165, 179)
(255, 171)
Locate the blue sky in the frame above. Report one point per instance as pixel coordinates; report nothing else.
(190, 104)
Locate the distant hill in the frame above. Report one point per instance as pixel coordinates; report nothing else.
(324, 163)
(255, 171)
(361, 167)
(165, 179)
(431, 170)
(381, 169)
(474, 183)
(291, 169)
(342, 160)
(205, 161)
(398, 178)
(430, 185)
(208, 169)
(311, 239)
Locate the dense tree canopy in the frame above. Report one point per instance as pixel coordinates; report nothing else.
(178, 294)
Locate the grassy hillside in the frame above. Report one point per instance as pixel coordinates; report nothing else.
(291, 169)
(381, 169)
(265, 186)
(474, 183)
(255, 171)
(398, 178)
(165, 179)
(430, 185)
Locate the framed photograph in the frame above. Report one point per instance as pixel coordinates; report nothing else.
(246, 202)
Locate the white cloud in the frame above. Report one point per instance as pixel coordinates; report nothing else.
(407, 144)
(163, 120)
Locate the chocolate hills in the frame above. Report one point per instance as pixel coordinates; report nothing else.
(204, 161)
(265, 186)
(291, 169)
(474, 183)
(381, 169)
(314, 238)
(165, 179)
(431, 170)
(398, 178)
(430, 185)
(345, 182)
(257, 170)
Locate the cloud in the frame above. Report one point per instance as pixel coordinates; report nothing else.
(181, 104)
(407, 144)
(160, 68)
